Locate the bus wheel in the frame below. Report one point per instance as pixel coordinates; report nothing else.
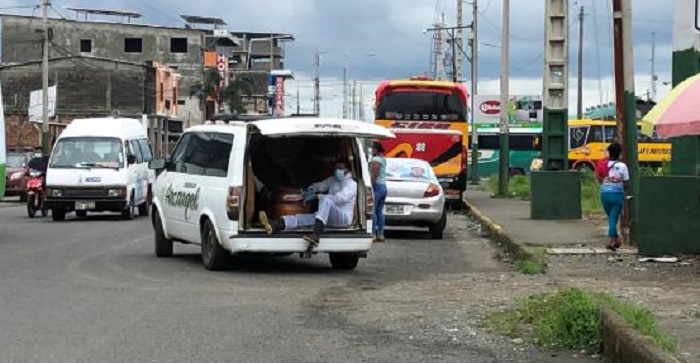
(584, 167)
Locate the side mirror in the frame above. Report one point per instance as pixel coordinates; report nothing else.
(131, 159)
(157, 164)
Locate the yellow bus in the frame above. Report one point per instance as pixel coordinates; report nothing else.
(588, 140)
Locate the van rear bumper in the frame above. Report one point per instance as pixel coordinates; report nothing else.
(296, 243)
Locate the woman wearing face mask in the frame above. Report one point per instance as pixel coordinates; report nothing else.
(377, 166)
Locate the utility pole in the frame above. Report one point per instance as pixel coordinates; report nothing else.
(475, 78)
(454, 55)
(504, 160)
(460, 43)
(654, 77)
(625, 105)
(317, 83)
(45, 135)
(353, 102)
(579, 96)
(362, 105)
(345, 86)
(298, 103)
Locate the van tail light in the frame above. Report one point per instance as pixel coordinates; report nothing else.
(233, 203)
(369, 203)
(432, 191)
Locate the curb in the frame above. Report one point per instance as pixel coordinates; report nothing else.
(621, 342)
(497, 234)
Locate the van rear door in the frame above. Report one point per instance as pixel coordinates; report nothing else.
(314, 126)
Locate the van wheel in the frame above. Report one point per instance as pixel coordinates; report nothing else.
(437, 229)
(81, 214)
(213, 255)
(128, 214)
(344, 261)
(163, 246)
(58, 214)
(144, 208)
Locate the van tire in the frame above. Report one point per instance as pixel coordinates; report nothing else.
(437, 229)
(81, 214)
(58, 214)
(144, 208)
(128, 214)
(344, 261)
(163, 246)
(213, 255)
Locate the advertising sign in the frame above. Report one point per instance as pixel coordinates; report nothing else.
(523, 111)
(279, 96)
(36, 104)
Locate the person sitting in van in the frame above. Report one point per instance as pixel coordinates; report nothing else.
(337, 197)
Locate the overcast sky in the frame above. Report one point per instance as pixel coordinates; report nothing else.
(393, 30)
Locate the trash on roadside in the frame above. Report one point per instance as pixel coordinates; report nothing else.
(659, 259)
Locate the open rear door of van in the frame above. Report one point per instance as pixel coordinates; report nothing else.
(320, 126)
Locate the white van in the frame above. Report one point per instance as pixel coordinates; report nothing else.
(208, 192)
(100, 165)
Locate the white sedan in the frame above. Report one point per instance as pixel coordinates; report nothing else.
(415, 197)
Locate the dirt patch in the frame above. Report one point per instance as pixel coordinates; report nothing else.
(671, 291)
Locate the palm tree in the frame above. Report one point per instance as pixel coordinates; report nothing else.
(234, 93)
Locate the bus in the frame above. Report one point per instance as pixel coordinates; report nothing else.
(420, 103)
(523, 144)
(588, 140)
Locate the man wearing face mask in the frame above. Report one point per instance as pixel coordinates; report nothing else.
(336, 202)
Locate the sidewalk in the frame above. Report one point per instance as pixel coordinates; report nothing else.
(577, 257)
(514, 218)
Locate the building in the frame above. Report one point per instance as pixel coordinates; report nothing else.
(100, 68)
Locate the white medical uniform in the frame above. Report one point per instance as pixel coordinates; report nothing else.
(335, 209)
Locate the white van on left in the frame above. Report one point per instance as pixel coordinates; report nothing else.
(100, 165)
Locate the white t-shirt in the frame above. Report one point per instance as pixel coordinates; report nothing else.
(616, 176)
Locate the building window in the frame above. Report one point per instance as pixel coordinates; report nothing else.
(85, 45)
(178, 45)
(181, 102)
(133, 45)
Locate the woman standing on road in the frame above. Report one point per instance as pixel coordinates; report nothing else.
(377, 166)
(612, 192)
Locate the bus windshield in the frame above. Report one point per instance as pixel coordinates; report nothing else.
(421, 105)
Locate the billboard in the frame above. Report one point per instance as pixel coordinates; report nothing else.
(36, 104)
(523, 111)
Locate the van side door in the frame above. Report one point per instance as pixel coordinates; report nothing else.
(137, 172)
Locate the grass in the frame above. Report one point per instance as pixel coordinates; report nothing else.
(518, 186)
(570, 319)
(533, 265)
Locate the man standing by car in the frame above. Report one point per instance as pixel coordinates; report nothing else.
(337, 197)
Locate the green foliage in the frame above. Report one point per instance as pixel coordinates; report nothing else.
(518, 186)
(590, 193)
(570, 319)
(529, 267)
(234, 93)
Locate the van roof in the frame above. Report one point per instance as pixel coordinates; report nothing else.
(105, 126)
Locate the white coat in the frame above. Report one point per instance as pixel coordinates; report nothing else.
(336, 205)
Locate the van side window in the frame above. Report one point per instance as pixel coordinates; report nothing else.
(145, 150)
(203, 153)
(135, 150)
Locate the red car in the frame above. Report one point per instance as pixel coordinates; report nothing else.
(16, 174)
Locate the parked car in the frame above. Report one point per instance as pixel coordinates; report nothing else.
(206, 193)
(415, 197)
(16, 174)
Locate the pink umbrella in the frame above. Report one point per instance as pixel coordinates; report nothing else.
(678, 114)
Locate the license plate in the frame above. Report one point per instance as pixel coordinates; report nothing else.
(84, 205)
(394, 209)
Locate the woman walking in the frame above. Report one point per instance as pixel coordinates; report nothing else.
(612, 192)
(377, 165)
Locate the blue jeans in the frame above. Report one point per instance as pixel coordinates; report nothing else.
(612, 204)
(378, 215)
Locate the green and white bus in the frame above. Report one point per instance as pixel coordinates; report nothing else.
(523, 149)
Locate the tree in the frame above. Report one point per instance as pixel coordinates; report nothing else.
(234, 93)
(208, 87)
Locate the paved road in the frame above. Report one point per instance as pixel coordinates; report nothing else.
(92, 291)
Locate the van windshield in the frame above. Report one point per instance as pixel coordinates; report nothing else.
(88, 152)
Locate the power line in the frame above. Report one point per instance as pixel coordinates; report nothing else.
(488, 21)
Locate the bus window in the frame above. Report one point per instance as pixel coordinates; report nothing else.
(521, 142)
(489, 142)
(610, 133)
(596, 134)
(577, 136)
